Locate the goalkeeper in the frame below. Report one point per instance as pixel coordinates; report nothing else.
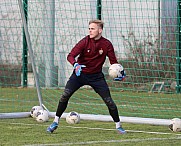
(92, 51)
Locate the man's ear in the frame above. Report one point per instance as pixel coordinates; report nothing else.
(100, 30)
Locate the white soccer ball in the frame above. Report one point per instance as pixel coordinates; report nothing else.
(73, 118)
(175, 125)
(42, 116)
(115, 70)
(35, 110)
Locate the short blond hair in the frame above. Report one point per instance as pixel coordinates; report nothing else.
(100, 23)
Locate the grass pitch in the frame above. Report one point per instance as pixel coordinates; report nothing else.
(28, 132)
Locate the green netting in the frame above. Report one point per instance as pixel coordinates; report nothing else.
(145, 37)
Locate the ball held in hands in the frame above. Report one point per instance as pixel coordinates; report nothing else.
(116, 71)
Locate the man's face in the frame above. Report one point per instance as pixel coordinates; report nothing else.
(95, 31)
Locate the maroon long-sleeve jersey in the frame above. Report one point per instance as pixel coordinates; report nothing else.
(92, 53)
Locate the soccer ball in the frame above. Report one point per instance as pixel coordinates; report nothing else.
(115, 70)
(42, 116)
(175, 125)
(73, 118)
(35, 110)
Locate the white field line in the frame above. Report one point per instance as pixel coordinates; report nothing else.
(107, 141)
(103, 129)
(176, 136)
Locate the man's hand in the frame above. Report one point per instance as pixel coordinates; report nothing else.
(121, 77)
(78, 68)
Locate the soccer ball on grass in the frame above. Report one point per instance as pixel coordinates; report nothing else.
(42, 116)
(175, 125)
(73, 118)
(115, 70)
(34, 111)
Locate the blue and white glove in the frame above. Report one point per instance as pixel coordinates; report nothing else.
(121, 77)
(78, 68)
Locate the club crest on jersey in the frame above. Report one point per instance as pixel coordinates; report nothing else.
(100, 51)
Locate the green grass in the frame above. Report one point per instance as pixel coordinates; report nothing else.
(26, 131)
(133, 104)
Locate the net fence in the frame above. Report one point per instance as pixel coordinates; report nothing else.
(145, 37)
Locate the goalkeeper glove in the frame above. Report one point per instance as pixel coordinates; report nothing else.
(121, 77)
(78, 68)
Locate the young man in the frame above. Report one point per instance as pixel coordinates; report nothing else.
(92, 51)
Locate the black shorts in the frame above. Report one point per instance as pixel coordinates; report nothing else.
(96, 81)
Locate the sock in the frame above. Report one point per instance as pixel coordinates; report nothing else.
(56, 119)
(118, 124)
